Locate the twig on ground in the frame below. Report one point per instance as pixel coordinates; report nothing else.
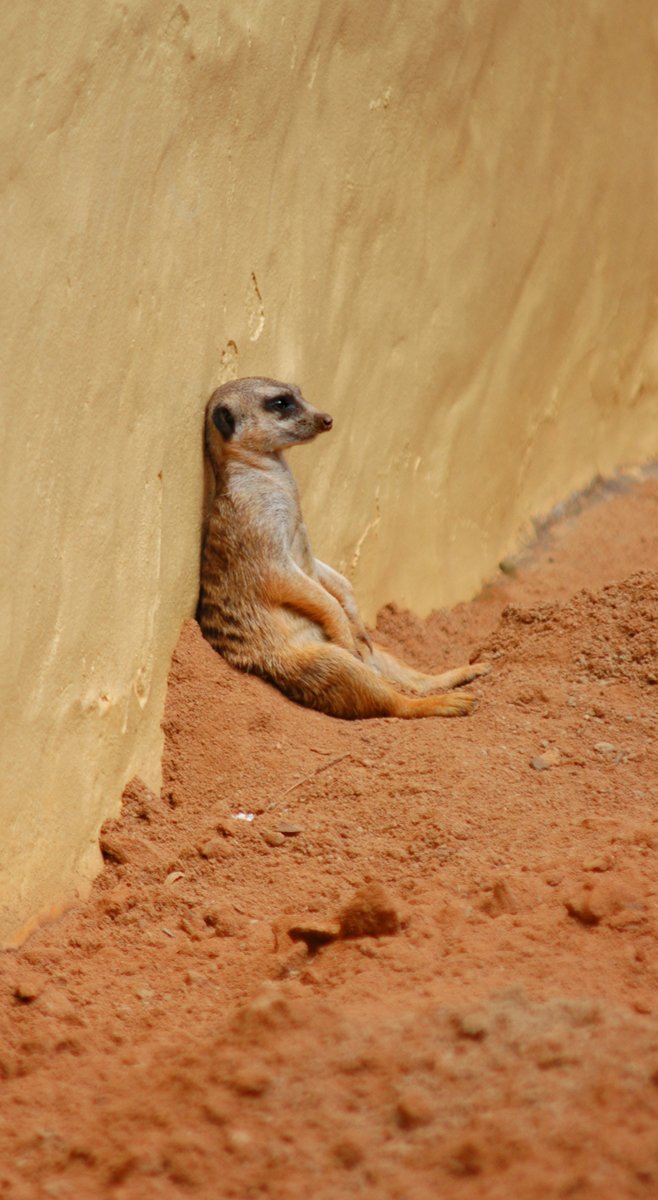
(317, 771)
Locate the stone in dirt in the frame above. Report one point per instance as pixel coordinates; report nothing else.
(315, 932)
(28, 985)
(414, 1108)
(272, 837)
(120, 848)
(542, 762)
(370, 913)
(472, 1025)
(112, 846)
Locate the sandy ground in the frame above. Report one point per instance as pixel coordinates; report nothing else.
(426, 967)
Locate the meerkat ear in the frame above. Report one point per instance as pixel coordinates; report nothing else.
(223, 419)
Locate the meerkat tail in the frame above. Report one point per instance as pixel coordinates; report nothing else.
(332, 681)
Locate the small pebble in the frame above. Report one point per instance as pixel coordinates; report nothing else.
(414, 1109)
(542, 762)
(604, 747)
(113, 848)
(215, 848)
(472, 1025)
(29, 984)
(251, 1080)
(601, 862)
(581, 906)
(223, 920)
(195, 977)
(272, 837)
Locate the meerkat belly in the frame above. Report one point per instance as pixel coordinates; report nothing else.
(232, 613)
(248, 540)
(240, 626)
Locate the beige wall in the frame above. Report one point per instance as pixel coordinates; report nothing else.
(439, 218)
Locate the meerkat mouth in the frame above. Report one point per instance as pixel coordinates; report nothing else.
(300, 439)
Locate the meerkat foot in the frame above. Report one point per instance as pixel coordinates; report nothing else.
(333, 681)
(459, 675)
(440, 706)
(407, 677)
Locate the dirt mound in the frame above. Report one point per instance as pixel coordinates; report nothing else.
(379, 958)
(608, 634)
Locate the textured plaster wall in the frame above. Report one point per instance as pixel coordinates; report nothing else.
(437, 217)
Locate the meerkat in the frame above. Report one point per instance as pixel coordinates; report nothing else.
(266, 603)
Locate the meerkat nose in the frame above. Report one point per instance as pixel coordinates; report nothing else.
(327, 421)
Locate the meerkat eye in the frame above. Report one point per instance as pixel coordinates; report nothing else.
(284, 405)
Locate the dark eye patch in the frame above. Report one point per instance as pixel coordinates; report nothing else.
(283, 404)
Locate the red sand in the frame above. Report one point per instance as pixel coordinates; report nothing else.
(481, 1022)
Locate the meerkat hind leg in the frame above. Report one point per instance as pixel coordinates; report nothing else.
(417, 681)
(333, 681)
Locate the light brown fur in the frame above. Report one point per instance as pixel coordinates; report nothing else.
(266, 604)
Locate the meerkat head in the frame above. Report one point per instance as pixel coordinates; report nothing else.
(261, 416)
